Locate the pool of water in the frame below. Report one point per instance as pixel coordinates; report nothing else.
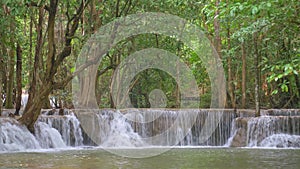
(85, 158)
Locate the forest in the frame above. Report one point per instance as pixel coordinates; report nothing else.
(257, 41)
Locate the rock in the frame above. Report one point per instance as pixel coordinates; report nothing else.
(11, 115)
(239, 138)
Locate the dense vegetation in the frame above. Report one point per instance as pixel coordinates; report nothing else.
(258, 42)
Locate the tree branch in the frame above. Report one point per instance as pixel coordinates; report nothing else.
(34, 4)
(69, 35)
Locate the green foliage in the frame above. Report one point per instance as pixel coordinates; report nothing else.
(275, 22)
(283, 72)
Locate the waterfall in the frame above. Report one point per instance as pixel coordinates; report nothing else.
(276, 128)
(109, 128)
(51, 131)
(153, 127)
(121, 134)
(266, 126)
(67, 126)
(47, 136)
(157, 127)
(15, 137)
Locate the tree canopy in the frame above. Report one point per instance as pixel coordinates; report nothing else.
(258, 42)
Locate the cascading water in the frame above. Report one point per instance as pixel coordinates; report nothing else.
(120, 133)
(47, 136)
(51, 131)
(140, 127)
(269, 130)
(136, 127)
(15, 137)
(266, 126)
(67, 126)
(281, 141)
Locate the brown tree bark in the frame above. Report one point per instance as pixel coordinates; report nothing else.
(257, 74)
(30, 45)
(40, 91)
(231, 87)
(11, 71)
(1, 84)
(36, 68)
(18, 79)
(217, 40)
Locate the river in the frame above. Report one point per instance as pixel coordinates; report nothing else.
(188, 157)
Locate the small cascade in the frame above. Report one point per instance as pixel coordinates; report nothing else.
(190, 132)
(109, 128)
(51, 131)
(68, 126)
(120, 133)
(265, 126)
(15, 137)
(47, 136)
(266, 131)
(281, 141)
(158, 127)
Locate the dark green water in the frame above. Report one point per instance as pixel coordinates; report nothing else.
(186, 158)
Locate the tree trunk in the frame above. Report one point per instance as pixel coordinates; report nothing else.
(10, 79)
(1, 84)
(244, 68)
(11, 71)
(36, 68)
(1, 102)
(87, 92)
(217, 30)
(39, 92)
(19, 79)
(33, 110)
(30, 46)
(257, 72)
(230, 74)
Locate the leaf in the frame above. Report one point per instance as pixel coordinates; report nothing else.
(72, 70)
(241, 7)
(284, 88)
(274, 92)
(254, 10)
(232, 13)
(295, 72)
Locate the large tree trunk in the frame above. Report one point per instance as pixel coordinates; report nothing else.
(19, 79)
(39, 92)
(36, 68)
(33, 110)
(87, 91)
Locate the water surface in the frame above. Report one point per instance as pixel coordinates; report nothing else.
(192, 158)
